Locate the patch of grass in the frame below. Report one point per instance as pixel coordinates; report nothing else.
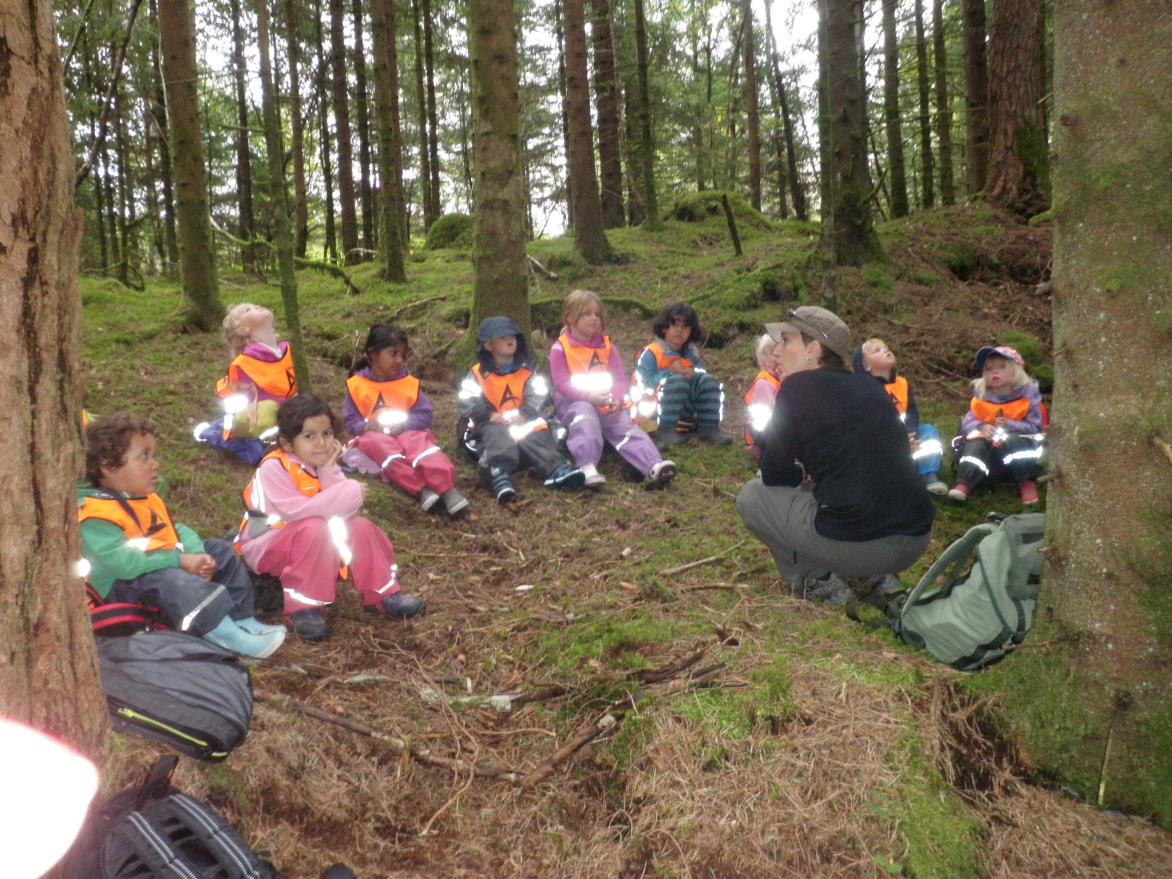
(615, 641)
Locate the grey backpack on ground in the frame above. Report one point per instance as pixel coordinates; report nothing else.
(976, 603)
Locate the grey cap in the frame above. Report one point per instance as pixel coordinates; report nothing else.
(819, 324)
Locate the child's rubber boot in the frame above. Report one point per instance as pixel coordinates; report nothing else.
(1029, 492)
(231, 637)
(667, 436)
(591, 477)
(310, 624)
(399, 606)
(427, 500)
(714, 436)
(959, 492)
(567, 477)
(663, 472)
(934, 485)
(454, 502)
(256, 627)
(501, 486)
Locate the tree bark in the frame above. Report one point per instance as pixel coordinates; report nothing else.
(943, 107)
(895, 163)
(197, 264)
(244, 223)
(976, 96)
(435, 207)
(606, 96)
(424, 141)
(386, 87)
(48, 666)
(1018, 173)
(825, 151)
(297, 125)
(927, 162)
(158, 112)
(588, 235)
(363, 120)
(752, 122)
(797, 190)
(1096, 711)
(323, 119)
(635, 213)
(560, 25)
(647, 140)
(342, 134)
(854, 238)
(500, 273)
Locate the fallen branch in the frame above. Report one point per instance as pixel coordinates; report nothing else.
(679, 569)
(394, 315)
(305, 263)
(534, 264)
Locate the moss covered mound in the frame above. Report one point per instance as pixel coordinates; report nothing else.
(450, 230)
(695, 207)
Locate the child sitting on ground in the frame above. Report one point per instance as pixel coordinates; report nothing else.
(138, 555)
(588, 382)
(1002, 433)
(876, 359)
(260, 379)
(499, 406)
(762, 394)
(301, 525)
(670, 369)
(389, 417)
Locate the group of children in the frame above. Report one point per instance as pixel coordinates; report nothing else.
(301, 521)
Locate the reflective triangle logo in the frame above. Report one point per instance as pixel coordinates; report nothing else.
(156, 524)
(291, 377)
(594, 361)
(509, 397)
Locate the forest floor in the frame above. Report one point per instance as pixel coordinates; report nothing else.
(731, 729)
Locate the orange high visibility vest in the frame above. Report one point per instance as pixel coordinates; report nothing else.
(988, 411)
(761, 376)
(140, 518)
(581, 359)
(897, 391)
(369, 395)
(663, 360)
(276, 378)
(500, 393)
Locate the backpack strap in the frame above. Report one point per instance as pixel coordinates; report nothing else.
(219, 837)
(947, 568)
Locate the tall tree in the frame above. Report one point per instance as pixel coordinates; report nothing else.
(752, 122)
(646, 137)
(386, 87)
(341, 101)
(943, 107)
(797, 189)
(606, 95)
(927, 161)
(853, 235)
(559, 25)
(424, 140)
(1018, 161)
(1106, 595)
(588, 235)
(297, 126)
(49, 675)
(432, 115)
(244, 224)
(324, 139)
(895, 164)
(825, 149)
(197, 262)
(158, 111)
(500, 283)
(976, 96)
(366, 192)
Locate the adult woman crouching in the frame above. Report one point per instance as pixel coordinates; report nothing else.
(837, 496)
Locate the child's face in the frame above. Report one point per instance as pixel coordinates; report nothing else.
(315, 444)
(258, 326)
(138, 471)
(998, 374)
(389, 361)
(589, 323)
(502, 349)
(878, 359)
(677, 334)
(767, 359)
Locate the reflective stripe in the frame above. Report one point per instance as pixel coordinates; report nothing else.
(304, 599)
(386, 463)
(928, 448)
(578, 418)
(539, 386)
(425, 453)
(626, 438)
(969, 459)
(519, 431)
(139, 543)
(469, 389)
(186, 622)
(592, 381)
(759, 415)
(258, 494)
(391, 582)
(340, 535)
(1021, 455)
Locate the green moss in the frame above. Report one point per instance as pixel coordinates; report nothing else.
(227, 785)
(450, 230)
(695, 207)
(614, 641)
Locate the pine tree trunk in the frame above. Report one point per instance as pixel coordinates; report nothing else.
(647, 141)
(976, 96)
(943, 107)
(588, 235)
(125, 187)
(424, 142)
(297, 125)
(895, 164)
(1095, 710)
(386, 87)
(752, 122)
(500, 283)
(560, 24)
(197, 265)
(606, 95)
(324, 138)
(432, 117)
(244, 227)
(701, 176)
(635, 212)
(342, 133)
(363, 120)
(49, 671)
(1019, 170)
(825, 150)
(854, 235)
(927, 162)
(279, 197)
(797, 190)
(159, 115)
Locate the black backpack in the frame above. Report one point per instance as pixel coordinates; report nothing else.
(154, 832)
(177, 689)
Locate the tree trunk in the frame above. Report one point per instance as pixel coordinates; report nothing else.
(825, 150)
(561, 35)
(49, 671)
(279, 198)
(606, 95)
(1018, 162)
(432, 123)
(342, 133)
(363, 120)
(899, 202)
(297, 124)
(125, 187)
(159, 115)
(927, 163)
(1094, 709)
(500, 283)
(752, 123)
(797, 190)
(976, 96)
(588, 235)
(197, 264)
(323, 118)
(854, 237)
(424, 141)
(386, 87)
(244, 224)
(635, 212)
(647, 141)
(943, 107)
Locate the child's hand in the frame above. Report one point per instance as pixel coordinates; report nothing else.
(1000, 421)
(987, 431)
(496, 418)
(912, 441)
(198, 563)
(335, 454)
(598, 398)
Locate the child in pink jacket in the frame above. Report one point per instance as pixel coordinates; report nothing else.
(301, 525)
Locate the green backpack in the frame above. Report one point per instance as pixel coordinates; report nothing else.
(976, 603)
